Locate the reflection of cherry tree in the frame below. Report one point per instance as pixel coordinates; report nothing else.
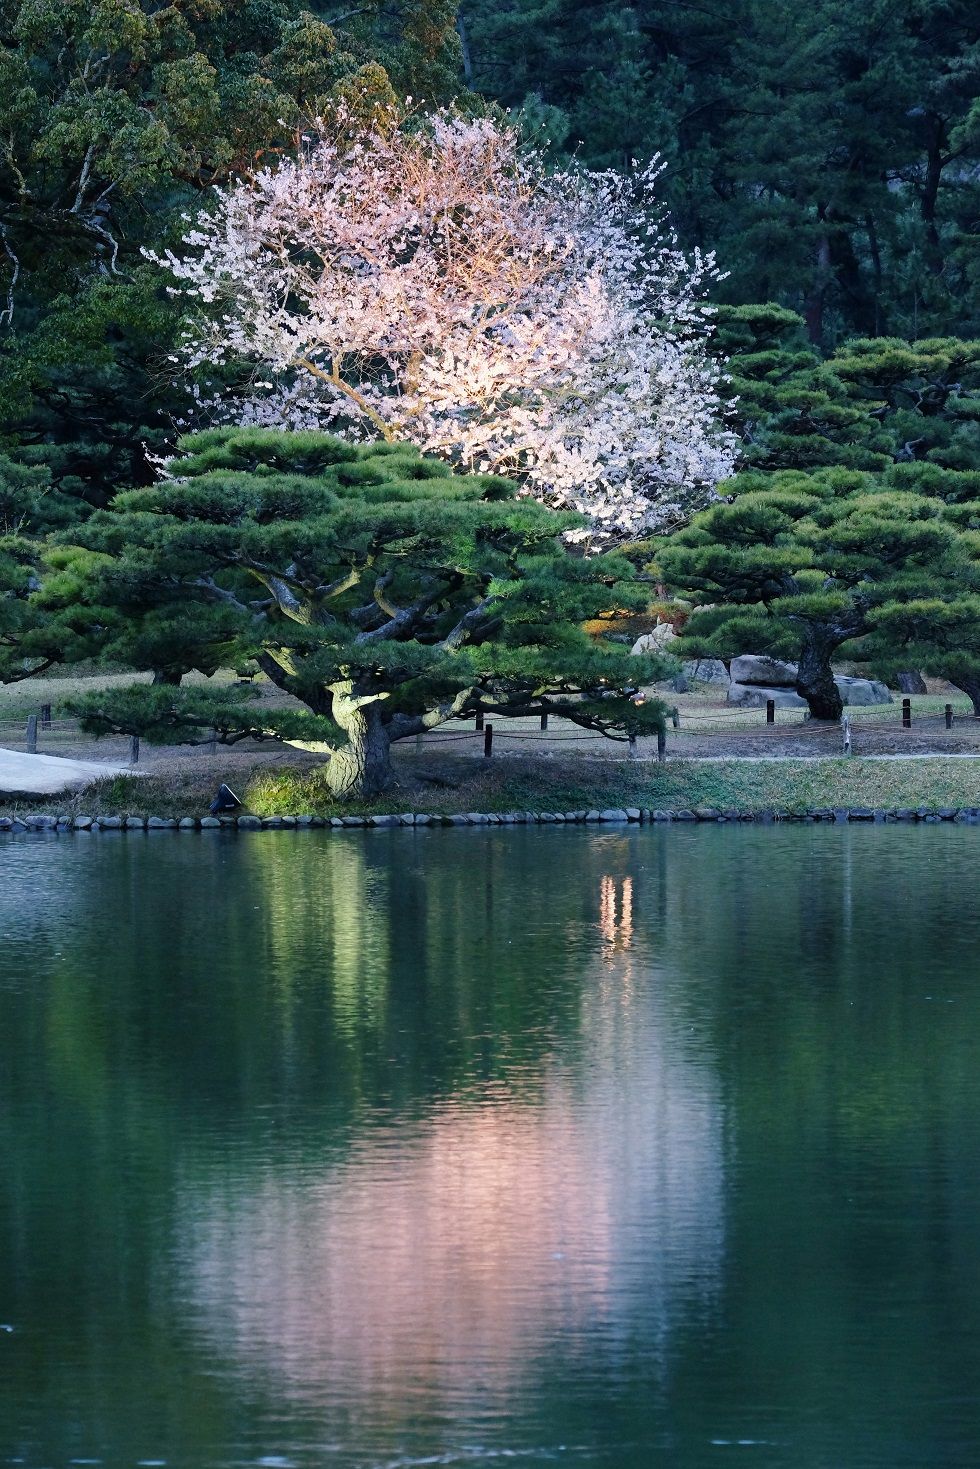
(435, 283)
(445, 1259)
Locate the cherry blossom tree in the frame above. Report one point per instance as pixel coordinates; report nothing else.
(429, 280)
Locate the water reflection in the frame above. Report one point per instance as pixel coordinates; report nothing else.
(440, 1262)
(616, 911)
(383, 1146)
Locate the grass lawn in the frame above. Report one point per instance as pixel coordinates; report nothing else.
(532, 785)
(525, 784)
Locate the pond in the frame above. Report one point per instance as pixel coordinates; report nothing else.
(598, 1147)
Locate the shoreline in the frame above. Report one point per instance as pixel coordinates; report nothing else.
(626, 816)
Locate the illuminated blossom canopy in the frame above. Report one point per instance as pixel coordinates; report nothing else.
(430, 280)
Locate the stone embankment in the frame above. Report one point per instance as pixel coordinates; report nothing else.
(632, 815)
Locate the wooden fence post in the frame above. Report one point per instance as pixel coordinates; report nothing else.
(45, 716)
(213, 742)
(949, 716)
(134, 750)
(479, 719)
(544, 721)
(906, 713)
(633, 750)
(488, 741)
(661, 746)
(675, 717)
(846, 731)
(770, 711)
(32, 734)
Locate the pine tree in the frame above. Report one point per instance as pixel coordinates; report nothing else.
(790, 408)
(871, 403)
(805, 565)
(373, 586)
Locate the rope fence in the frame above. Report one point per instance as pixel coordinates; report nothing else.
(38, 728)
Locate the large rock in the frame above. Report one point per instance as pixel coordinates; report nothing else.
(853, 691)
(860, 691)
(657, 640)
(754, 696)
(758, 668)
(706, 670)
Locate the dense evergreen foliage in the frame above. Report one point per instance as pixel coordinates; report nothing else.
(828, 152)
(871, 403)
(853, 527)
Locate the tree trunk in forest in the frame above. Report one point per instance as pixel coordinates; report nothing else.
(878, 275)
(814, 304)
(912, 682)
(362, 767)
(464, 49)
(930, 191)
(166, 676)
(847, 269)
(815, 679)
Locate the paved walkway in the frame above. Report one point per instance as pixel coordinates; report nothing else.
(46, 775)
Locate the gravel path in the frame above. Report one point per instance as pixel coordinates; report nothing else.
(47, 775)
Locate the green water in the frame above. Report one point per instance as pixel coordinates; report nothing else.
(603, 1148)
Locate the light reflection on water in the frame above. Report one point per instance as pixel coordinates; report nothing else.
(621, 1148)
(443, 1257)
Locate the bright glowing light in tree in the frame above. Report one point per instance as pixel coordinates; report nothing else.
(431, 281)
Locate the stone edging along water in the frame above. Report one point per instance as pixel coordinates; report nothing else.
(631, 815)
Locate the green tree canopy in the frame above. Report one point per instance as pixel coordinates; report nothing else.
(382, 592)
(871, 403)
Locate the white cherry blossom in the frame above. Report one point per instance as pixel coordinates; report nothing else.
(432, 281)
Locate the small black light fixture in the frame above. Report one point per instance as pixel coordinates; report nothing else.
(224, 801)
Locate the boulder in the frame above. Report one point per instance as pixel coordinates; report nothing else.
(860, 691)
(758, 668)
(706, 670)
(656, 640)
(752, 696)
(747, 693)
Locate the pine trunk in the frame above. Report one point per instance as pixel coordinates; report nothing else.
(362, 767)
(815, 680)
(970, 687)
